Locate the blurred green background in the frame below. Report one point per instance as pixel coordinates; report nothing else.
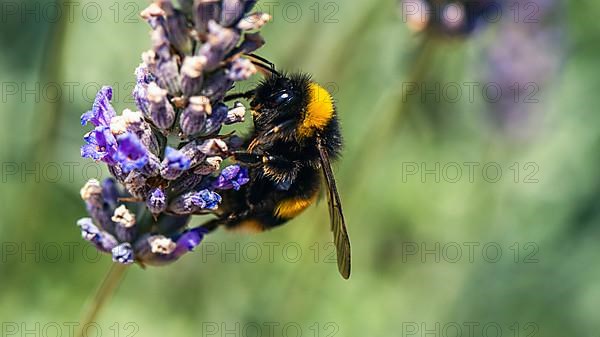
(534, 232)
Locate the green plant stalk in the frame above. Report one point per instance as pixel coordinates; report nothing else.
(107, 288)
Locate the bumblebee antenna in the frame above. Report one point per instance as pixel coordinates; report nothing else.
(263, 63)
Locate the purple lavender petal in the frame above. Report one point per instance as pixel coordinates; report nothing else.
(140, 91)
(157, 201)
(101, 145)
(232, 177)
(174, 164)
(123, 253)
(110, 191)
(102, 111)
(131, 154)
(194, 201)
(216, 119)
(189, 240)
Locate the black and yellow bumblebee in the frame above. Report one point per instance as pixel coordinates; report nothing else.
(295, 137)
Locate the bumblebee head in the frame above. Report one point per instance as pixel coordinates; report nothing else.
(292, 98)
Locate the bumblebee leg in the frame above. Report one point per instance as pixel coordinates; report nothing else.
(246, 95)
(267, 136)
(212, 224)
(263, 63)
(248, 158)
(262, 59)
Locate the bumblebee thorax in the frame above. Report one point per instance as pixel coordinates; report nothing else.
(319, 111)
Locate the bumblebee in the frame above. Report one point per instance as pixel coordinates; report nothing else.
(295, 137)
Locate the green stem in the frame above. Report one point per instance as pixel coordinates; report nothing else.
(52, 70)
(103, 294)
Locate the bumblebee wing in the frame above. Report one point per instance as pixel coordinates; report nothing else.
(338, 224)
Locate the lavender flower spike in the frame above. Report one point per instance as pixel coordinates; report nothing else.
(165, 155)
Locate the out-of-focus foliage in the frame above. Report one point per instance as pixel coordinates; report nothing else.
(370, 59)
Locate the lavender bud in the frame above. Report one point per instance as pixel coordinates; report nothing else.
(192, 151)
(117, 125)
(209, 165)
(157, 201)
(148, 138)
(139, 93)
(133, 122)
(161, 111)
(213, 147)
(152, 167)
(160, 250)
(174, 164)
(188, 240)
(135, 183)
(149, 59)
(125, 220)
(251, 42)
(91, 191)
(179, 34)
(221, 40)
(231, 12)
(205, 11)
(101, 239)
(161, 47)
(124, 217)
(188, 181)
(110, 192)
(241, 69)
(160, 244)
(167, 73)
(216, 86)
(117, 172)
(254, 21)
(236, 114)
(191, 75)
(194, 116)
(123, 253)
(192, 202)
(216, 119)
(153, 14)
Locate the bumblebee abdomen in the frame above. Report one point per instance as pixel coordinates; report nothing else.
(290, 208)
